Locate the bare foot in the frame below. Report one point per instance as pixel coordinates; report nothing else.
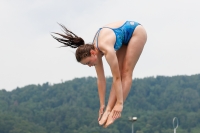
(112, 117)
(104, 117)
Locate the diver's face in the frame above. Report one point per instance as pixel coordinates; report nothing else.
(91, 60)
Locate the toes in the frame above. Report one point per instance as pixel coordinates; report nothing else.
(109, 122)
(104, 118)
(112, 117)
(109, 117)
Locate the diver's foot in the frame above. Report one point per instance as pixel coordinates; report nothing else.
(104, 117)
(114, 115)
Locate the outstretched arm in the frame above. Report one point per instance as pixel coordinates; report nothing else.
(101, 83)
(112, 60)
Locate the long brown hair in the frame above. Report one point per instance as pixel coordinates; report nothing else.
(72, 40)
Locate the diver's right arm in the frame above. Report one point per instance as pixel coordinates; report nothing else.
(101, 83)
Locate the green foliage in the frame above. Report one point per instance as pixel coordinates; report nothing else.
(72, 106)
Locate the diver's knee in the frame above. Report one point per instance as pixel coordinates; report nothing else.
(126, 74)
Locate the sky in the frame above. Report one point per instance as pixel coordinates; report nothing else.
(29, 55)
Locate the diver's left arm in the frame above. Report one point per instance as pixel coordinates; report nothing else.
(112, 60)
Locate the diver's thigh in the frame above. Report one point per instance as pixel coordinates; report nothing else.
(134, 49)
(120, 55)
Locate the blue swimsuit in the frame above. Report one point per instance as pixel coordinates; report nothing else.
(123, 33)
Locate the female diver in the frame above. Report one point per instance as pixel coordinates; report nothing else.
(121, 43)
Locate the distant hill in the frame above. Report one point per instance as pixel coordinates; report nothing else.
(72, 106)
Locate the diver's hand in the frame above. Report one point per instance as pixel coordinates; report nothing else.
(101, 110)
(116, 112)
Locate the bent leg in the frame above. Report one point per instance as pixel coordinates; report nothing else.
(133, 52)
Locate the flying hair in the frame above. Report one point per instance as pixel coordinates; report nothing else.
(68, 38)
(72, 40)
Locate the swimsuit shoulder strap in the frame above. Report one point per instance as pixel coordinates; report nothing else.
(97, 35)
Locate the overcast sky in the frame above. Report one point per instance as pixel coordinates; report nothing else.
(29, 55)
